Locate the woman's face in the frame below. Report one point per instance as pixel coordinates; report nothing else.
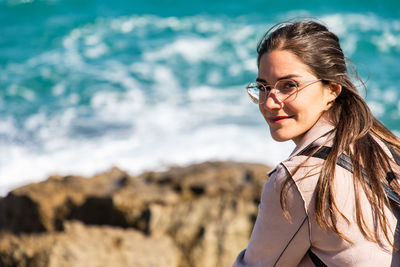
(291, 120)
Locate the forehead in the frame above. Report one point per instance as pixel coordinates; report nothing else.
(281, 63)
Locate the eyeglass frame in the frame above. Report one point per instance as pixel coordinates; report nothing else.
(277, 91)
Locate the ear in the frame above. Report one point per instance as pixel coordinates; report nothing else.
(334, 92)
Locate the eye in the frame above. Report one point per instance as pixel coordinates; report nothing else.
(268, 88)
(264, 87)
(287, 86)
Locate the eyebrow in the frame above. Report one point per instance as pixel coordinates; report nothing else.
(289, 76)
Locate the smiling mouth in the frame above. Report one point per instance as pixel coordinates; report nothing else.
(279, 118)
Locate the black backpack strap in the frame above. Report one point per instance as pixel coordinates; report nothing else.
(314, 258)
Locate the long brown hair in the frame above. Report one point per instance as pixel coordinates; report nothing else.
(355, 126)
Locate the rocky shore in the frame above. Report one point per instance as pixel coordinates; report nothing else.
(200, 215)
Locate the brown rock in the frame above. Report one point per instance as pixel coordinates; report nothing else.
(206, 211)
(81, 245)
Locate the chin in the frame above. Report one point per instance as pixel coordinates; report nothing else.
(280, 138)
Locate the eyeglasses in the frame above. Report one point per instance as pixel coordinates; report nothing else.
(285, 90)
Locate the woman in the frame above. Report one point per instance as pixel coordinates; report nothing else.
(326, 204)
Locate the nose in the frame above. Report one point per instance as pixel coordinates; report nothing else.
(272, 101)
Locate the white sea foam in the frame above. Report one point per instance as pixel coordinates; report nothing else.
(59, 89)
(390, 95)
(166, 85)
(192, 49)
(19, 2)
(387, 41)
(385, 33)
(92, 39)
(96, 51)
(344, 23)
(7, 127)
(377, 108)
(72, 55)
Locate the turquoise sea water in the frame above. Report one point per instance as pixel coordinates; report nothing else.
(86, 85)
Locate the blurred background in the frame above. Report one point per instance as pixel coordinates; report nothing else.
(87, 85)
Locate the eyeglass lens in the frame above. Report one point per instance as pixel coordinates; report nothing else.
(285, 91)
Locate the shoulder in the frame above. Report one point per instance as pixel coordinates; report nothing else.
(298, 170)
(304, 173)
(282, 175)
(280, 178)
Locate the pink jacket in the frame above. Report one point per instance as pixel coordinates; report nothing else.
(277, 242)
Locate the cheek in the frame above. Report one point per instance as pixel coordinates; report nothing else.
(262, 109)
(312, 104)
(309, 113)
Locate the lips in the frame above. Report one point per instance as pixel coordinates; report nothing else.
(276, 119)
